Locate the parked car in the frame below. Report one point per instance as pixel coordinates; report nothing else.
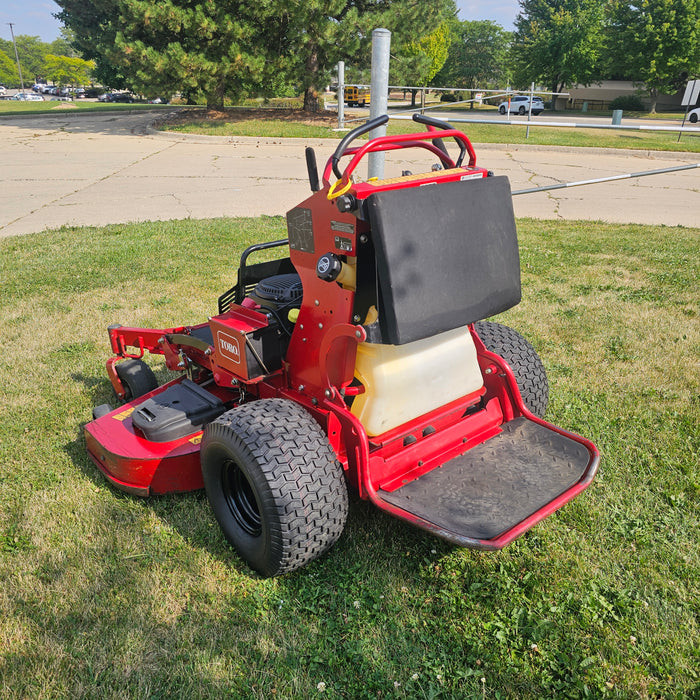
(520, 104)
(28, 97)
(694, 115)
(2, 89)
(115, 97)
(122, 97)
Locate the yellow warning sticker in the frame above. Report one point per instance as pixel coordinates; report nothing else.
(124, 414)
(196, 439)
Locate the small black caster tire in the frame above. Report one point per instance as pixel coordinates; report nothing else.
(102, 410)
(137, 377)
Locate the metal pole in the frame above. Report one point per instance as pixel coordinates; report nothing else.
(626, 176)
(529, 111)
(685, 116)
(341, 94)
(19, 68)
(379, 98)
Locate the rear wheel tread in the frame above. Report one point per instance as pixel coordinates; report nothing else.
(530, 374)
(304, 494)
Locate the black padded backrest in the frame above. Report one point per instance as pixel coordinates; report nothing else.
(447, 255)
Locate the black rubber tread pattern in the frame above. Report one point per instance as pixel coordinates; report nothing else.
(137, 377)
(298, 483)
(526, 364)
(497, 484)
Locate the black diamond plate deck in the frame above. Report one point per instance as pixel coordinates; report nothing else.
(497, 484)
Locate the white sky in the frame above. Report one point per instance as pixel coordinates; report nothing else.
(34, 17)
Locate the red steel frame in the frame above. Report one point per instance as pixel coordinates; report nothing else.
(317, 372)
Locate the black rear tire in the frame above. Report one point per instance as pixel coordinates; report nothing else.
(693, 118)
(502, 109)
(530, 374)
(274, 484)
(137, 377)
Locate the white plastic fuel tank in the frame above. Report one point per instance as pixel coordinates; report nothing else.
(403, 382)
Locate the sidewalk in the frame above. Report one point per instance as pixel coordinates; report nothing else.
(94, 170)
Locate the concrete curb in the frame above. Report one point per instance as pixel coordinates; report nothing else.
(149, 129)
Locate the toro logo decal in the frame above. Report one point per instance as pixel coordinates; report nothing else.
(229, 346)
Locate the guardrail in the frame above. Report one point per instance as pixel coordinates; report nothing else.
(622, 127)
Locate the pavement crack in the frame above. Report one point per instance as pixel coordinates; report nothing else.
(60, 201)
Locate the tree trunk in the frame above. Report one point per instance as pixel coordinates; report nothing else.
(311, 100)
(215, 99)
(311, 92)
(654, 95)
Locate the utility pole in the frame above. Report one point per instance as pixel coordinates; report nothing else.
(19, 68)
(381, 45)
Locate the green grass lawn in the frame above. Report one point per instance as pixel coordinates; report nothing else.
(478, 133)
(13, 107)
(106, 595)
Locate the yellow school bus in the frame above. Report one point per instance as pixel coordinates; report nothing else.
(356, 96)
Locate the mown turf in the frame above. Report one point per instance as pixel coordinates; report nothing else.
(105, 595)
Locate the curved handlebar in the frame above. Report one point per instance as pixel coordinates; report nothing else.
(439, 124)
(431, 121)
(362, 129)
(427, 139)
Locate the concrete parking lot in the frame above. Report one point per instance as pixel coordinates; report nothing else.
(71, 169)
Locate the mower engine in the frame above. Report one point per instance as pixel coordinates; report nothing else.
(362, 359)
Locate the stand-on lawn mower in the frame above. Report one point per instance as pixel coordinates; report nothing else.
(361, 359)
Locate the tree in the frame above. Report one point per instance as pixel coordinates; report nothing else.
(319, 33)
(31, 51)
(213, 48)
(418, 62)
(8, 70)
(93, 24)
(237, 47)
(64, 70)
(557, 42)
(654, 42)
(63, 46)
(477, 56)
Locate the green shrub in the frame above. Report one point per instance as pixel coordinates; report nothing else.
(628, 103)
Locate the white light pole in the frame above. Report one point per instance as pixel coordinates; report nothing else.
(19, 68)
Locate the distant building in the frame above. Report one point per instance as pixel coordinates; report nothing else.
(598, 96)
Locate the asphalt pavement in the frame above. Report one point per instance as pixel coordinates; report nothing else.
(71, 169)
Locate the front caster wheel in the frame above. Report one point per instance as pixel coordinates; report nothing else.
(136, 377)
(274, 484)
